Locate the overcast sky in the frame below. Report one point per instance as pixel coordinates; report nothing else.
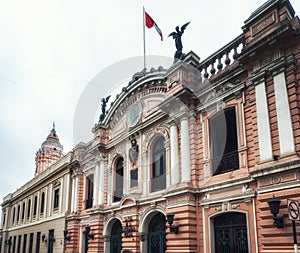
(50, 50)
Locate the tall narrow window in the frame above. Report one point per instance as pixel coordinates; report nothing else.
(23, 211)
(24, 243)
(42, 203)
(19, 244)
(38, 242)
(90, 191)
(30, 243)
(13, 216)
(18, 214)
(119, 173)
(14, 244)
(35, 205)
(4, 218)
(224, 142)
(28, 209)
(158, 180)
(56, 199)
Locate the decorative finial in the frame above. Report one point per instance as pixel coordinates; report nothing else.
(54, 125)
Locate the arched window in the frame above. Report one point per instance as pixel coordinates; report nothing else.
(158, 166)
(224, 141)
(42, 203)
(118, 176)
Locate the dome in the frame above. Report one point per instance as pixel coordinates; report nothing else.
(52, 140)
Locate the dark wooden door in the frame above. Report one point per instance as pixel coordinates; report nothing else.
(231, 233)
(116, 238)
(157, 234)
(50, 241)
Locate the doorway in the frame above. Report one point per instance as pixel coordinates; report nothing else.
(157, 234)
(116, 238)
(231, 233)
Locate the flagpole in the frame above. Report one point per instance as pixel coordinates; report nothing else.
(144, 40)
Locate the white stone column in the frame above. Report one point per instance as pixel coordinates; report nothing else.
(96, 185)
(109, 187)
(101, 183)
(185, 150)
(174, 154)
(61, 194)
(285, 129)
(168, 164)
(263, 123)
(76, 194)
(73, 195)
(48, 201)
(67, 192)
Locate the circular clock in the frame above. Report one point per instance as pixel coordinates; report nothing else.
(134, 114)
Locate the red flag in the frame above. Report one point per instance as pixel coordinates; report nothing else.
(150, 23)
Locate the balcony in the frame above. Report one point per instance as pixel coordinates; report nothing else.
(225, 163)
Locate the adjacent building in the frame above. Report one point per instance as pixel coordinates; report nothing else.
(33, 217)
(186, 159)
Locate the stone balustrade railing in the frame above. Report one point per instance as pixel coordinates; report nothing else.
(222, 58)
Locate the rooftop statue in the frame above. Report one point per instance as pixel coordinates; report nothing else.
(178, 43)
(103, 108)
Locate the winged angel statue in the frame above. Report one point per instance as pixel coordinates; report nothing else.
(178, 43)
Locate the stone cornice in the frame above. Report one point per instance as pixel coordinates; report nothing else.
(275, 168)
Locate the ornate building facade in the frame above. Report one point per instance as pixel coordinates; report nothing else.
(187, 159)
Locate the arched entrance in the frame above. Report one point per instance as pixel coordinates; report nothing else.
(231, 233)
(116, 238)
(157, 234)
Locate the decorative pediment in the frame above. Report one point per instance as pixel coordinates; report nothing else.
(127, 201)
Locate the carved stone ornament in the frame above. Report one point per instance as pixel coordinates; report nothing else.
(133, 152)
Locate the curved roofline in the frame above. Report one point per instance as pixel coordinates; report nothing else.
(138, 80)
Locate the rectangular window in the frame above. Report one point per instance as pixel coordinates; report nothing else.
(13, 216)
(38, 242)
(43, 203)
(4, 218)
(18, 215)
(56, 199)
(50, 241)
(30, 243)
(35, 205)
(23, 211)
(28, 209)
(90, 191)
(19, 244)
(14, 244)
(9, 244)
(224, 142)
(24, 243)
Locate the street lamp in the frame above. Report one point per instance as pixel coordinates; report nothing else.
(274, 205)
(170, 219)
(87, 237)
